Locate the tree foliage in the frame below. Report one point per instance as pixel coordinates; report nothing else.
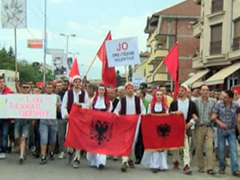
(27, 71)
(7, 60)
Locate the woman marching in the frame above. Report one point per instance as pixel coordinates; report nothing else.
(156, 160)
(100, 102)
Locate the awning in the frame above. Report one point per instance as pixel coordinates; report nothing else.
(196, 77)
(219, 77)
(197, 84)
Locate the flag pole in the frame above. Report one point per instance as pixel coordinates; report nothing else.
(94, 59)
(45, 41)
(15, 41)
(155, 71)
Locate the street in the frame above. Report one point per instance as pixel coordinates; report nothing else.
(60, 170)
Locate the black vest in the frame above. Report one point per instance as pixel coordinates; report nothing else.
(163, 110)
(123, 110)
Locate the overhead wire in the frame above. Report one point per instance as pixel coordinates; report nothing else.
(36, 12)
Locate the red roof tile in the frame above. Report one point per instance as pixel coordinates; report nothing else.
(145, 54)
(185, 8)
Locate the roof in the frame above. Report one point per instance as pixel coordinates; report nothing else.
(185, 8)
(145, 54)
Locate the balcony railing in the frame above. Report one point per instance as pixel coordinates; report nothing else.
(151, 38)
(215, 47)
(236, 43)
(197, 29)
(217, 5)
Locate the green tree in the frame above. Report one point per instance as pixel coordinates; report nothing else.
(11, 52)
(6, 60)
(27, 71)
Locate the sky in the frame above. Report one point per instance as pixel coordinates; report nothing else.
(90, 20)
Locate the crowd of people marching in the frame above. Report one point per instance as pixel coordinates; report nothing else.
(212, 124)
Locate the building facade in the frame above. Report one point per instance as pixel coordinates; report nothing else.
(165, 28)
(218, 31)
(141, 70)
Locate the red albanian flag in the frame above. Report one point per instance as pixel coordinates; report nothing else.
(74, 70)
(161, 132)
(101, 132)
(108, 73)
(172, 64)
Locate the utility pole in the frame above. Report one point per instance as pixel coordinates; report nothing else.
(45, 41)
(67, 36)
(15, 43)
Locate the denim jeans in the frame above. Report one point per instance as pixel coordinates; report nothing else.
(48, 133)
(231, 139)
(4, 127)
(22, 129)
(62, 126)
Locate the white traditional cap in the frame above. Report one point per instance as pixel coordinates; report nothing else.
(76, 77)
(185, 87)
(129, 84)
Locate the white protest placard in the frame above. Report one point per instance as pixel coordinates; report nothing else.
(23, 106)
(137, 81)
(3, 99)
(122, 52)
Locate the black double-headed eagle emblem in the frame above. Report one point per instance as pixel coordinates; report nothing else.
(163, 130)
(101, 131)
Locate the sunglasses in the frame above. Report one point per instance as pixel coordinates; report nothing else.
(159, 94)
(25, 87)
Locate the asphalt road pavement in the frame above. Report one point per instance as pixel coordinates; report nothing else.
(10, 169)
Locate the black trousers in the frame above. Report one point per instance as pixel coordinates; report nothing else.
(139, 148)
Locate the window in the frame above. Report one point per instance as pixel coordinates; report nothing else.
(217, 5)
(171, 41)
(216, 39)
(232, 80)
(236, 38)
(160, 46)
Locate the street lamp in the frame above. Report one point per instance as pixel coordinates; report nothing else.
(74, 54)
(67, 36)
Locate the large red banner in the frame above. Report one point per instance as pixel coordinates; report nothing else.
(101, 132)
(161, 132)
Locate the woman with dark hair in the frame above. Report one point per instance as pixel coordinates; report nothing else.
(156, 160)
(100, 102)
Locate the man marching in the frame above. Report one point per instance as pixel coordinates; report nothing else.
(4, 123)
(129, 105)
(48, 129)
(188, 108)
(204, 132)
(78, 97)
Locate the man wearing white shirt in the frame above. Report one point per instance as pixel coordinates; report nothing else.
(129, 105)
(188, 108)
(78, 97)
